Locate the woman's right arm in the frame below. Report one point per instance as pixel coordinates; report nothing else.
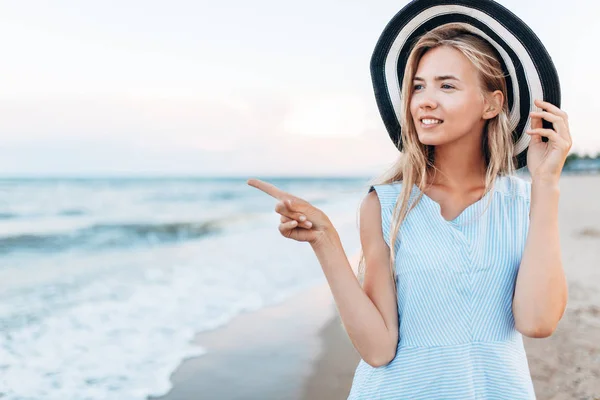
(369, 313)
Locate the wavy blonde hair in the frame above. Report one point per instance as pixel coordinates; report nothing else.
(416, 159)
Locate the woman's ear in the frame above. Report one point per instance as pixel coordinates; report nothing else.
(493, 104)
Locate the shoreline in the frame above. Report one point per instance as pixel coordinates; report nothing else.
(269, 353)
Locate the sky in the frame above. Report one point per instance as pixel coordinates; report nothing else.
(233, 88)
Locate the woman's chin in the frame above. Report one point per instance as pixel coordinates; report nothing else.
(430, 139)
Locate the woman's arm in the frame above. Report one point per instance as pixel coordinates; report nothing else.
(541, 290)
(369, 313)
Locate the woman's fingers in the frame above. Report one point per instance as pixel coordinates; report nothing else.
(305, 224)
(295, 213)
(269, 189)
(551, 107)
(291, 230)
(286, 228)
(283, 208)
(290, 201)
(287, 204)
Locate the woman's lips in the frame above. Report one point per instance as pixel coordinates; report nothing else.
(429, 126)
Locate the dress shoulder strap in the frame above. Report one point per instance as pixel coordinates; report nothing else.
(388, 195)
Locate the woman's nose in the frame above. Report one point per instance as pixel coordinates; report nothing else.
(427, 101)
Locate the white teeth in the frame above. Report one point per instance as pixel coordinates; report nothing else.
(431, 121)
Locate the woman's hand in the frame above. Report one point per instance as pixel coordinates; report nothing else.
(545, 160)
(300, 220)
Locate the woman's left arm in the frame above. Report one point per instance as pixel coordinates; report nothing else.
(541, 292)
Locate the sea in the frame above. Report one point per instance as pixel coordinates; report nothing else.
(104, 282)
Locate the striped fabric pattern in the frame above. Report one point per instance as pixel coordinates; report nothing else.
(455, 279)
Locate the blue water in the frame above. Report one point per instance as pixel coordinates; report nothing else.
(104, 282)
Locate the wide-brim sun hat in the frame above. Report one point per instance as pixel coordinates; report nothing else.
(529, 71)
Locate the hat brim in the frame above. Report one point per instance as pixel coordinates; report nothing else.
(526, 63)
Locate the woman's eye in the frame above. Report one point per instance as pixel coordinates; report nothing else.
(445, 85)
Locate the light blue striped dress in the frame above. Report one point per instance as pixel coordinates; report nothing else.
(457, 338)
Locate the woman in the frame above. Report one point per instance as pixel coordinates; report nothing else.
(460, 257)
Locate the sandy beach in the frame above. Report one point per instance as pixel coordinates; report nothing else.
(279, 352)
(299, 350)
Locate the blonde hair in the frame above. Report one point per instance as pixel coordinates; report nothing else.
(417, 159)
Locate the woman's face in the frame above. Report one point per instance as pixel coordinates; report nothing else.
(446, 87)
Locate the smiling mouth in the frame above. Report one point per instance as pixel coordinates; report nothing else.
(430, 124)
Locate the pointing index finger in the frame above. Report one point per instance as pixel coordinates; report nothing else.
(268, 188)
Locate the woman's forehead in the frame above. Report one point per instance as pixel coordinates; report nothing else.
(445, 62)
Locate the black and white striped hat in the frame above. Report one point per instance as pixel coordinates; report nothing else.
(528, 68)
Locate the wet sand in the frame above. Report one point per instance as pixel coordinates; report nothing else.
(267, 354)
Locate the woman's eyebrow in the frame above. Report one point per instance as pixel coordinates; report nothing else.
(438, 78)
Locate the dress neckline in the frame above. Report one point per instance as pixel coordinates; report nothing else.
(436, 209)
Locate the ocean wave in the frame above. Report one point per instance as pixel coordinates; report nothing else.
(102, 236)
(5, 215)
(71, 212)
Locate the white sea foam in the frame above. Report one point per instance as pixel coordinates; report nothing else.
(116, 324)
